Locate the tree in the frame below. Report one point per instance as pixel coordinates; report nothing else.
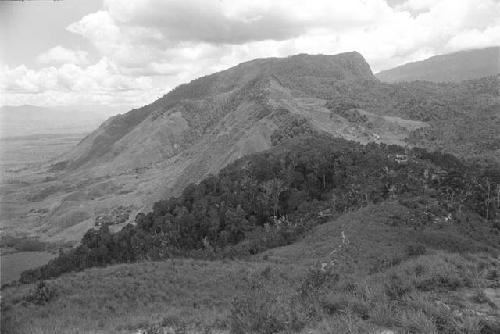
(237, 224)
(272, 190)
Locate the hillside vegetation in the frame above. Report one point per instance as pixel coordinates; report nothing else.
(312, 236)
(383, 274)
(243, 208)
(154, 152)
(462, 118)
(269, 199)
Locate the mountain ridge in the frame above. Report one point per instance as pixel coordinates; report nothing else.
(222, 84)
(153, 152)
(451, 67)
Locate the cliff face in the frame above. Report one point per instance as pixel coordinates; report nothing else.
(453, 67)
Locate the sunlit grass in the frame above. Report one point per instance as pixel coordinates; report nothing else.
(377, 282)
(125, 297)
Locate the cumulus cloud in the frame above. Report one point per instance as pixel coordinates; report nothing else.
(416, 5)
(205, 21)
(149, 46)
(61, 55)
(475, 38)
(98, 83)
(136, 34)
(157, 25)
(241, 21)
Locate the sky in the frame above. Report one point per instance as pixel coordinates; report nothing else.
(129, 53)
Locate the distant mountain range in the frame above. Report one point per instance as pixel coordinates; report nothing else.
(453, 67)
(154, 152)
(25, 120)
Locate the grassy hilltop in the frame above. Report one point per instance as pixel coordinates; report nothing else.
(387, 276)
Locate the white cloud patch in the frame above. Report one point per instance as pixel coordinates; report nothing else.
(140, 33)
(72, 84)
(60, 55)
(475, 38)
(150, 46)
(416, 5)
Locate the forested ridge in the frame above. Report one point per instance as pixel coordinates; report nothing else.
(463, 117)
(271, 198)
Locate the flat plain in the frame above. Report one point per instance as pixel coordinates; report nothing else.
(19, 158)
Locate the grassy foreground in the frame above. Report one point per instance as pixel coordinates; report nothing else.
(361, 273)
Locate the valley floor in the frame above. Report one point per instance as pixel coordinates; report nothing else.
(360, 273)
(15, 263)
(21, 158)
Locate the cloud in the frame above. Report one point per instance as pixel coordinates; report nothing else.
(101, 82)
(475, 38)
(61, 55)
(233, 22)
(147, 47)
(416, 5)
(100, 29)
(140, 33)
(239, 21)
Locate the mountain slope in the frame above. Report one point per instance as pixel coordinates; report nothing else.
(331, 235)
(454, 67)
(436, 286)
(196, 129)
(270, 198)
(406, 246)
(154, 152)
(190, 111)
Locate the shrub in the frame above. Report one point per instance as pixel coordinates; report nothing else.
(41, 294)
(469, 325)
(417, 322)
(397, 286)
(416, 250)
(265, 309)
(384, 314)
(385, 262)
(448, 281)
(316, 279)
(343, 302)
(335, 302)
(30, 275)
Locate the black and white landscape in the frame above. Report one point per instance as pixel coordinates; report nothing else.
(216, 167)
